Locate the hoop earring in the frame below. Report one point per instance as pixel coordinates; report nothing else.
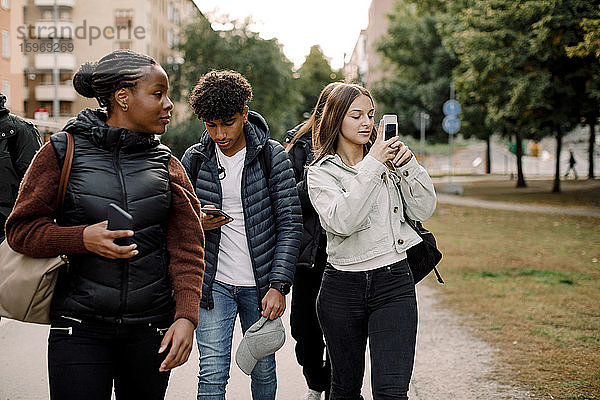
(125, 107)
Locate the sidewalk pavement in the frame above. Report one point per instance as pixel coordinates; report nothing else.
(500, 205)
(450, 363)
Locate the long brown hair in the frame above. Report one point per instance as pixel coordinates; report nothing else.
(315, 117)
(338, 102)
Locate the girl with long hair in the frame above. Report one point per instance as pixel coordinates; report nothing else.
(363, 187)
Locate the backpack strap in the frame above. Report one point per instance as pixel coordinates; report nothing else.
(194, 168)
(64, 173)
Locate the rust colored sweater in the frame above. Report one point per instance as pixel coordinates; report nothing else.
(31, 225)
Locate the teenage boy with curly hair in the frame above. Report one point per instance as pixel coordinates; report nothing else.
(250, 254)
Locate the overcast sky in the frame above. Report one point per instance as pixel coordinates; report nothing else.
(299, 24)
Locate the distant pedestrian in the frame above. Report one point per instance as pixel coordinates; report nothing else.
(312, 258)
(362, 186)
(19, 141)
(572, 163)
(250, 254)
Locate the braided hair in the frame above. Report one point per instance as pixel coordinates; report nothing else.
(117, 70)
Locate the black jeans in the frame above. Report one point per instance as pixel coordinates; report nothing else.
(305, 326)
(379, 305)
(84, 359)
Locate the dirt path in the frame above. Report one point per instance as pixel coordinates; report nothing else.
(450, 362)
(500, 205)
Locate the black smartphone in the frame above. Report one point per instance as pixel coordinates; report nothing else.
(215, 211)
(390, 126)
(119, 219)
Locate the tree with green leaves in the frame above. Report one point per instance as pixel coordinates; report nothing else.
(261, 61)
(314, 74)
(514, 54)
(421, 72)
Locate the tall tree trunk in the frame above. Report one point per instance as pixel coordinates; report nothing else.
(519, 153)
(592, 143)
(559, 134)
(488, 155)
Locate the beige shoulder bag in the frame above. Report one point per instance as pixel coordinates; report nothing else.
(26, 283)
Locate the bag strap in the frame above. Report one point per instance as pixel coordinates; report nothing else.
(64, 173)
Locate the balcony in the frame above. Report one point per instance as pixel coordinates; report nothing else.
(46, 29)
(50, 3)
(66, 62)
(46, 93)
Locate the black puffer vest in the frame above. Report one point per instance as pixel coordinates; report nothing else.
(114, 165)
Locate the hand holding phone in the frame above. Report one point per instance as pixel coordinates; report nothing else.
(119, 219)
(214, 218)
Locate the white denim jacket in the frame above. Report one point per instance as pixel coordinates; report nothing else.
(346, 200)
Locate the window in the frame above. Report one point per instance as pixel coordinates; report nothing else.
(170, 9)
(123, 45)
(172, 39)
(47, 15)
(5, 4)
(124, 18)
(5, 44)
(6, 91)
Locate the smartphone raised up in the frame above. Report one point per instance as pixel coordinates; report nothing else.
(119, 219)
(216, 212)
(390, 126)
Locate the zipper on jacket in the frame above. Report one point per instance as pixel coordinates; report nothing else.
(72, 319)
(125, 263)
(69, 330)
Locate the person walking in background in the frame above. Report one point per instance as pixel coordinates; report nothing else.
(19, 141)
(250, 254)
(361, 186)
(120, 314)
(572, 163)
(312, 257)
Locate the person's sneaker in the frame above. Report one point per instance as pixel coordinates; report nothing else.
(312, 395)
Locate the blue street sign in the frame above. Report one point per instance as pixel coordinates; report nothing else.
(451, 124)
(451, 107)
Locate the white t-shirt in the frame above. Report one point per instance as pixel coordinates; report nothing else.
(234, 265)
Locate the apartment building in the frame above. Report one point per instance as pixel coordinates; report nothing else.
(71, 32)
(365, 64)
(11, 60)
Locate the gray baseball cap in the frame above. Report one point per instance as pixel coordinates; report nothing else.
(263, 338)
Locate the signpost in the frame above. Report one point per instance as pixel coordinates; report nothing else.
(451, 125)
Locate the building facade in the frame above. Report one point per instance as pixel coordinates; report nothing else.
(70, 32)
(365, 65)
(11, 60)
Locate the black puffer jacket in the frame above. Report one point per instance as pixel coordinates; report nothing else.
(19, 141)
(115, 165)
(313, 240)
(271, 208)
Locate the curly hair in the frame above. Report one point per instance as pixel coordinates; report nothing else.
(220, 94)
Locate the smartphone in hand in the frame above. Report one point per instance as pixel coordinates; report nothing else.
(390, 126)
(215, 212)
(119, 219)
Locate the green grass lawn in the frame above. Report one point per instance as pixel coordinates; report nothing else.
(530, 284)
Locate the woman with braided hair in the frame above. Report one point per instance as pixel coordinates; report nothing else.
(121, 315)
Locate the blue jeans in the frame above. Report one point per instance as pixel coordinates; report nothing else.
(214, 335)
(379, 305)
